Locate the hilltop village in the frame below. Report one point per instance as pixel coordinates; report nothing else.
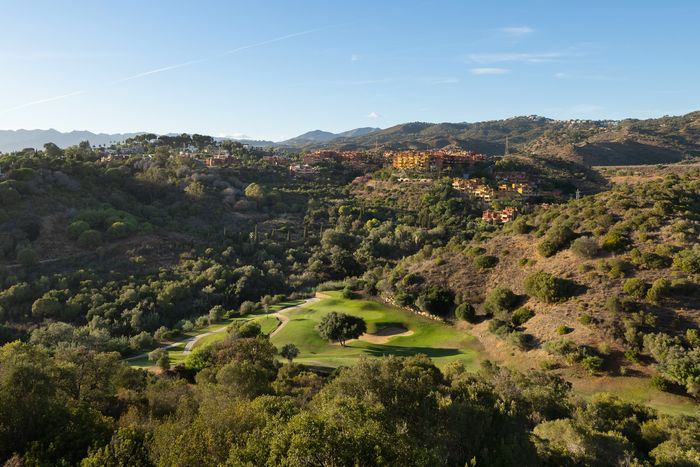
(500, 190)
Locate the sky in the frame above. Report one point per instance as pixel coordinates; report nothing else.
(275, 69)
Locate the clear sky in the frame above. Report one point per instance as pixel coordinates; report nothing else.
(275, 69)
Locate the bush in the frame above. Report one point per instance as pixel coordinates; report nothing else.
(466, 312)
(521, 316)
(76, 228)
(585, 319)
(547, 288)
(687, 261)
(436, 300)
(500, 301)
(592, 363)
(348, 293)
(615, 241)
(660, 383)
(247, 307)
(216, 314)
(563, 329)
(636, 288)
(557, 238)
(618, 304)
(485, 261)
(27, 257)
(660, 289)
(90, 239)
(585, 247)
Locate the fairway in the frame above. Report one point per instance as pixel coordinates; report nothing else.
(441, 342)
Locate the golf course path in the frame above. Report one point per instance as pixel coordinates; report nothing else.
(284, 319)
(193, 340)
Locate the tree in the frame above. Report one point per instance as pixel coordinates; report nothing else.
(27, 257)
(52, 150)
(546, 287)
(500, 301)
(161, 357)
(466, 312)
(255, 192)
(289, 351)
(127, 447)
(339, 327)
(436, 300)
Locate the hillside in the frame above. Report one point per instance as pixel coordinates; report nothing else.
(611, 276)
(627, 142)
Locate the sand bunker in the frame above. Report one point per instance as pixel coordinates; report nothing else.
(385, 334)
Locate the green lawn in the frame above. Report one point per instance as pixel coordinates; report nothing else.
(267, 323)
(441, 342)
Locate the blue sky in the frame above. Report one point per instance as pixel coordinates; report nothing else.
(275, 69)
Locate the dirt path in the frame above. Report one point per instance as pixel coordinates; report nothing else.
(284, 319)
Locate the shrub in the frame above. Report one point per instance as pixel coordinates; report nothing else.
(618, 304)
(216, 314)
(660, 289)
(585, 319)
(521, 316)
(436, 300)
(632, 355)
(90, 239)
(119, 230)
(348, 293)
(76, 228)
(247, 307)
(466, 312)
(592, 363)
(403, 298)
(660, 383)
(485, 261)
(500, 301)
(585, 247)
(615, 241)
(27, 257)
(687, 261)
(557, 238)
(547, 288)
(635, 287)
(563, 329)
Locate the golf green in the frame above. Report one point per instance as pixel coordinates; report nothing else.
(392, 331)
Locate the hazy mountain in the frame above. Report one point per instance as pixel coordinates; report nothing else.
(15, 140)
(320, 136)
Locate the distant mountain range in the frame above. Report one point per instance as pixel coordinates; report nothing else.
(16, 140)
(589, 142)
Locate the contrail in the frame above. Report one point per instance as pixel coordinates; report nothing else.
(174, 67)
(42, 101)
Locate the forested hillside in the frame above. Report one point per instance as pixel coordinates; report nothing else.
(111, 259)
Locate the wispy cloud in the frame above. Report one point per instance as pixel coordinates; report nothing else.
(517, 30)
(539, 57)
(489, 71)
(42, 101)
(172, 67)
(373, 115)
(354, 57)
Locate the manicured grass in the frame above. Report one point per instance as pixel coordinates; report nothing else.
(441, 342)
(267, 323)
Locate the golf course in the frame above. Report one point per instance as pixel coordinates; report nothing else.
(390, 331)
